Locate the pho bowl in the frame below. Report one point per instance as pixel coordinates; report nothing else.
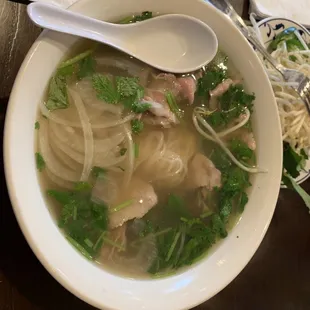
(87, 281)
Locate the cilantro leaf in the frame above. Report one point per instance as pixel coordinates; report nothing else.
(126, 91)
(187, 241)
(57, 94)
(243, 200)
(209, 81)
(82, 219)
(60, 196)
(66, 71)
(37, 125)
(134, 103)
(241, 150)
(138, 107)
(86, 67)
(236, 98)
(68, 212)
(218, 226)
(176, 208)
(216, 119)
(105, 88)
(136, 126)
(127, 86)
(225, 207)
(40, 162)
(235, 180)
(232, 103)
(220, 159)
(99, 214)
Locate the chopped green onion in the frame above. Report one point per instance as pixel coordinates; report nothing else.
(100, 239)
(114, 244)
(164, 274)
(175, 241)
(88, 243)
(37, 125)
(80, 248)
(136, 149)
(82, 186)
(206, 214)
(76, 59)
(122, 206)
(126, 20)
(173, 105)
(164, 231)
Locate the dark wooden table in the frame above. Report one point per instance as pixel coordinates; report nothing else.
(277, 277)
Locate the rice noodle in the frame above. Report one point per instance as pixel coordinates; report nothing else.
(294, 131)
(163, 159)
(130, 157)
(88, 135)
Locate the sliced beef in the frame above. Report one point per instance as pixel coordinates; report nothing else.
(143, 199)
(202, 173)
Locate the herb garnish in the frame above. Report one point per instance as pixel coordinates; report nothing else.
(82, 64)
(124, 90)
(136, 18)
(40, 162)
(82, 219)
(292, 165)
(232, 102)
(136, 126)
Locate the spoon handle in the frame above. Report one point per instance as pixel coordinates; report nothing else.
(226, 8)
(61, 20)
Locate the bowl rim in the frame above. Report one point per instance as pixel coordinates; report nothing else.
(12, 193)
(269, 19)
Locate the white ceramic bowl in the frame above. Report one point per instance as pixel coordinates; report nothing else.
(86, 280)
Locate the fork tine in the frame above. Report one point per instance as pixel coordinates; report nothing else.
(304, 92)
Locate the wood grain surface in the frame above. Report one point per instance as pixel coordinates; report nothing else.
(277, 277)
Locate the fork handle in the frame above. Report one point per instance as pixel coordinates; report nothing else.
(226, 8)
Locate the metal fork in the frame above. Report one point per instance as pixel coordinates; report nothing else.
(289, 75)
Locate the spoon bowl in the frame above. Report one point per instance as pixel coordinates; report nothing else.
(173, 43)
